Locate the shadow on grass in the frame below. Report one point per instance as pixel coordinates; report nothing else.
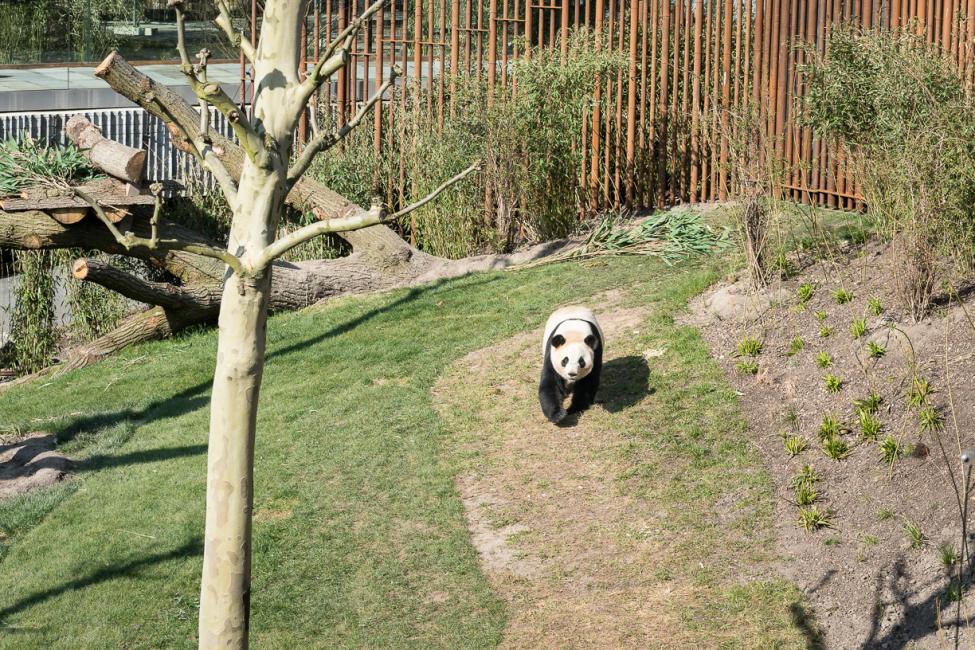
(125, 570)
(624, 382)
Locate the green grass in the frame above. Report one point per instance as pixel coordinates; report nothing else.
(795, 346)
(829, 428)
(812, 518)
(921, 389)
(825, 331)
(914, 534)
(868, 404)
(747, 367)
(824, 359)
(875, 350)
(873, 304)
(836, 448)
(842, 296)
(869, 425)
(832, 383)
(804, 293)
(795, 445)
(749, 347)
(360, 538)
(858, 327)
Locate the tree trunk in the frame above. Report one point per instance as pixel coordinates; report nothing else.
(225, 588)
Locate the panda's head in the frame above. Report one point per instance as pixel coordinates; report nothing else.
(571, 349)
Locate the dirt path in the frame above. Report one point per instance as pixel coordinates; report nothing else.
(557, 538)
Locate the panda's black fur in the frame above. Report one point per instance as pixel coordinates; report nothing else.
(553, 388)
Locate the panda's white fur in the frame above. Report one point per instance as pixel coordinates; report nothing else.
(572, 349)
(573, 360)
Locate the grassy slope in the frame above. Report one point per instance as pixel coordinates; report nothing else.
(357, 520)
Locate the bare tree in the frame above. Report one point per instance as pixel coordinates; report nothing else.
(257, 197)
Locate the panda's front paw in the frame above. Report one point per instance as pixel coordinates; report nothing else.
(558, 416)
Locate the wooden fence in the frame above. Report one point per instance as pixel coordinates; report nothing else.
(653, 136)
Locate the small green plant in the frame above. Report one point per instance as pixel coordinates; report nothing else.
(825, 331)
(832, 541)
(833, 383)
(836, 448)
(749, 347)
(812, 518)
(953, 593)
(829, 428)
(805, 495)
(791, 417)
(804, 293)
(806, 476)
(890, 450)
(869, 426)
(920, 390)
(868, 404)
(873, 304)
(796, 346)
(795, 445)
(747, 367)
(948, 555)
(875, 350)
(929, 418)
(820, 315)
(870, 540)
(885, 514)
(858, 327)
(842, 296)
(914, 534)
(824, 359)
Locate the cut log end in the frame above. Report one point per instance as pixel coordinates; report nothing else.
(106, 63)
(68, 216)
(80, 268)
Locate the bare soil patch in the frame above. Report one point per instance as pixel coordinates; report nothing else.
(869, 586)
(29, 462)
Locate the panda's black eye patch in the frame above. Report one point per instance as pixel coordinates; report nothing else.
(590, 340)
(565, 362)
(558, 341)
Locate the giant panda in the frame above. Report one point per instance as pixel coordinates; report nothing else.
(572, 349)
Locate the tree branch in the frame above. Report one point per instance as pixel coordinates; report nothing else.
(130, 240)
(162, 294)
(237, 39)
(335, 56)
(371, 217)
(325, 141)
(211, 92)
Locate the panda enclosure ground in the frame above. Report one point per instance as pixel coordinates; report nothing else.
(399, 437)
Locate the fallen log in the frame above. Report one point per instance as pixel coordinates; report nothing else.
(107, 155)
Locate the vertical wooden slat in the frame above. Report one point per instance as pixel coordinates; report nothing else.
(696, 103)
(596, 114)
(377, 137)
(631, 90)
(725, 97)
(662, 103)
(685, 99)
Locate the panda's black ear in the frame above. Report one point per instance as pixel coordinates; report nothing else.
(558, 341)
(591, 341)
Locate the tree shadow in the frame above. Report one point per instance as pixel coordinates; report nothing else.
(127, 570)
(624, 382)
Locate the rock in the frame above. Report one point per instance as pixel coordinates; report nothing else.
(30, 463)
(737, 302)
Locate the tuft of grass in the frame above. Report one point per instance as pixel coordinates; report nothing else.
(805, 495)
(914, 534)
(890, 450)
(825, 331)
(875, 350)
(795, 346)
(930, 419)
(870, 540)
(806, 476)
(873, 304)
(795, 445)
(842, 296)
(829, 427)
(869, 426)
(868, 404)
(747, 367)
(812, 518)
(885, 514)
(791, 417)
(820, 315)
(749, 347)
(919, 393)
(804, 293)
(948, 555)
(833, 383)
(836, 448)
(824, 359)
(858, 327)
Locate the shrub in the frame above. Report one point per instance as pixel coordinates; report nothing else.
(901, 112)
(529, 143)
